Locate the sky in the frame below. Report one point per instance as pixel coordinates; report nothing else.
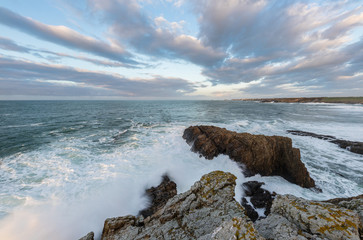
(180, 49)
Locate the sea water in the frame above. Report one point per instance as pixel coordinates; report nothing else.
(66, 166)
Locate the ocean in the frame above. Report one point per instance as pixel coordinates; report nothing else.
(66, 166)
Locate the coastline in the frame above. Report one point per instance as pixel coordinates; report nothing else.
(210, 209)
(345, 100)
(92, 170)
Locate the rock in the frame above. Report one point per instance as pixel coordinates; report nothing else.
(252, 187)
(352, 203)
(249, 210)
(346, 100)
(259, 198)
(319, 219)
(355, 147)
(279, 228)
(233, 229)
(207, 211)
(266, 155)
(89, 236)
(159, 196)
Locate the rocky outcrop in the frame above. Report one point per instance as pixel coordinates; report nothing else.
(355, 147)
(159, 196)
(278, 227)
(297, 218)
(266, 155)
(207, 211)
(346, 100)
(352, 203)
(256, 198)
(89, 236)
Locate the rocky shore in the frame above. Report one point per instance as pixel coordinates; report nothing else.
(346, 100)
(209, 209)
(356, 147)
(266, 155)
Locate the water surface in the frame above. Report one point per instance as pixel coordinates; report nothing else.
(65, 166)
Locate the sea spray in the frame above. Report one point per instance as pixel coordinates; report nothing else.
(69, 208)
(67, 166)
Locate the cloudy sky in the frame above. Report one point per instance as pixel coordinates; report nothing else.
(180, 49)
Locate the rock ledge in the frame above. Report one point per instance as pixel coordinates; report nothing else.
(207, 211)
(266, 155)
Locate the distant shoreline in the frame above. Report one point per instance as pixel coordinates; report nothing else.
(346, 100)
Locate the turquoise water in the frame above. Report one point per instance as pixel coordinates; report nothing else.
(71, 164)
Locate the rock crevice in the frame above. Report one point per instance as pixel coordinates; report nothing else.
(207, 211)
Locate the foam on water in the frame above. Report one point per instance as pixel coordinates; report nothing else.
(77, 188)
(86, 172)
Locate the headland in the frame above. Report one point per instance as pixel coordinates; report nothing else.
(346, 100)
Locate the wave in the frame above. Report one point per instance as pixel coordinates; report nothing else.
(91, 169)
(78, 188)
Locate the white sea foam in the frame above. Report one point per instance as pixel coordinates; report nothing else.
(76, 188)
(23, 125)
(68, 187)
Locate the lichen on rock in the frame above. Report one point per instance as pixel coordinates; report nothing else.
(320, 219)
(207, 211)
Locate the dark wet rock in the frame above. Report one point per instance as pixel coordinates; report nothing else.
(252, 187)
(355, 147)
(266, 155)
(319, 136)
(259, 198)
(89, 236)
(249, 210)
(159, 196)
(348, 199)
(262, 199)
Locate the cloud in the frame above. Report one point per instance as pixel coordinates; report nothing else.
(290, 47)
(10, 45)
(261, 47)
(19, 77)
(272, 28)
(65, 36)
(57, 56)
(155, 37)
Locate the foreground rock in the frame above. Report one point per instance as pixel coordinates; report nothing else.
(352, 203)
(356, 147)
(256, 198)
(207, 211)
(297, 218)
(266, 155)
(159, 196)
